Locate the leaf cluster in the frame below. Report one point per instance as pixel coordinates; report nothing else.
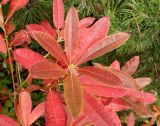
(74, 94)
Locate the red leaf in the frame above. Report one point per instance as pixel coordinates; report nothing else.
(109, 91)
(27, 57)
(4, 1)
(32, 88)
(158, 123)
(43, 37)
(93, 34)
(18, 112)
(55, 113)
(47, 70)
(126, 79)
(20, 37)
(116, 65)
(49, 81)
(142, 82)
(98, 65)
(116, 107)
(103, 46)
(9, 27)
(83, 31)
(142, 109)
(86, 22)
(101, 75)
(48, 27)
(14, 6)
(131, 119)
(131, 66)
(29, 79)
(58, 13)
(97, 114)
(36, 113)
(7, 121)
(100, 89)
(1, 18)
(71, 32)
(154, 118)
(81, 121)
(106, 100)
(25, 105)
(97, 32)
(146, 98)
(3, 47)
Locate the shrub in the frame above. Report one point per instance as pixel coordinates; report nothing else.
(75, 94)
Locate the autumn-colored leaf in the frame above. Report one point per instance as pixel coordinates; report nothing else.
(54, 110)
(29, 79)
(97, 32)
(131, 66)
(48, 27)
(146, 98)
(36, 113)
(131, 119)
(48, 42)
(19, 38)
(1, 18)
(49, 81)
(82, 120)
(27, 57)
(86, 22)
(116, 107)
(73, 94)
(100, 89)
(82, 31)
(109, 91)
(142, 109)
(101, 75)
(126, 79)
(129, 82)
(116, 65)
(143, 81)
(105, 45)
(98, 65)
(14, 6)
(18, 112)
(154, 118)
(9, 27)
(71, 32)
(58, 13)
(47, 70)
(7, 121)
(91, 35)
(158, 123)
(106, 100)
(25, 104)
(33, 87)
(97, 114)
(3, 47)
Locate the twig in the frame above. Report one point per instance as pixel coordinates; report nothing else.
(10, 63)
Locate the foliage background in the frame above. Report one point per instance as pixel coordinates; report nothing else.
(141, 18)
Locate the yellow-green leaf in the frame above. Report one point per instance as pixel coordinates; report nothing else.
(73, 94)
